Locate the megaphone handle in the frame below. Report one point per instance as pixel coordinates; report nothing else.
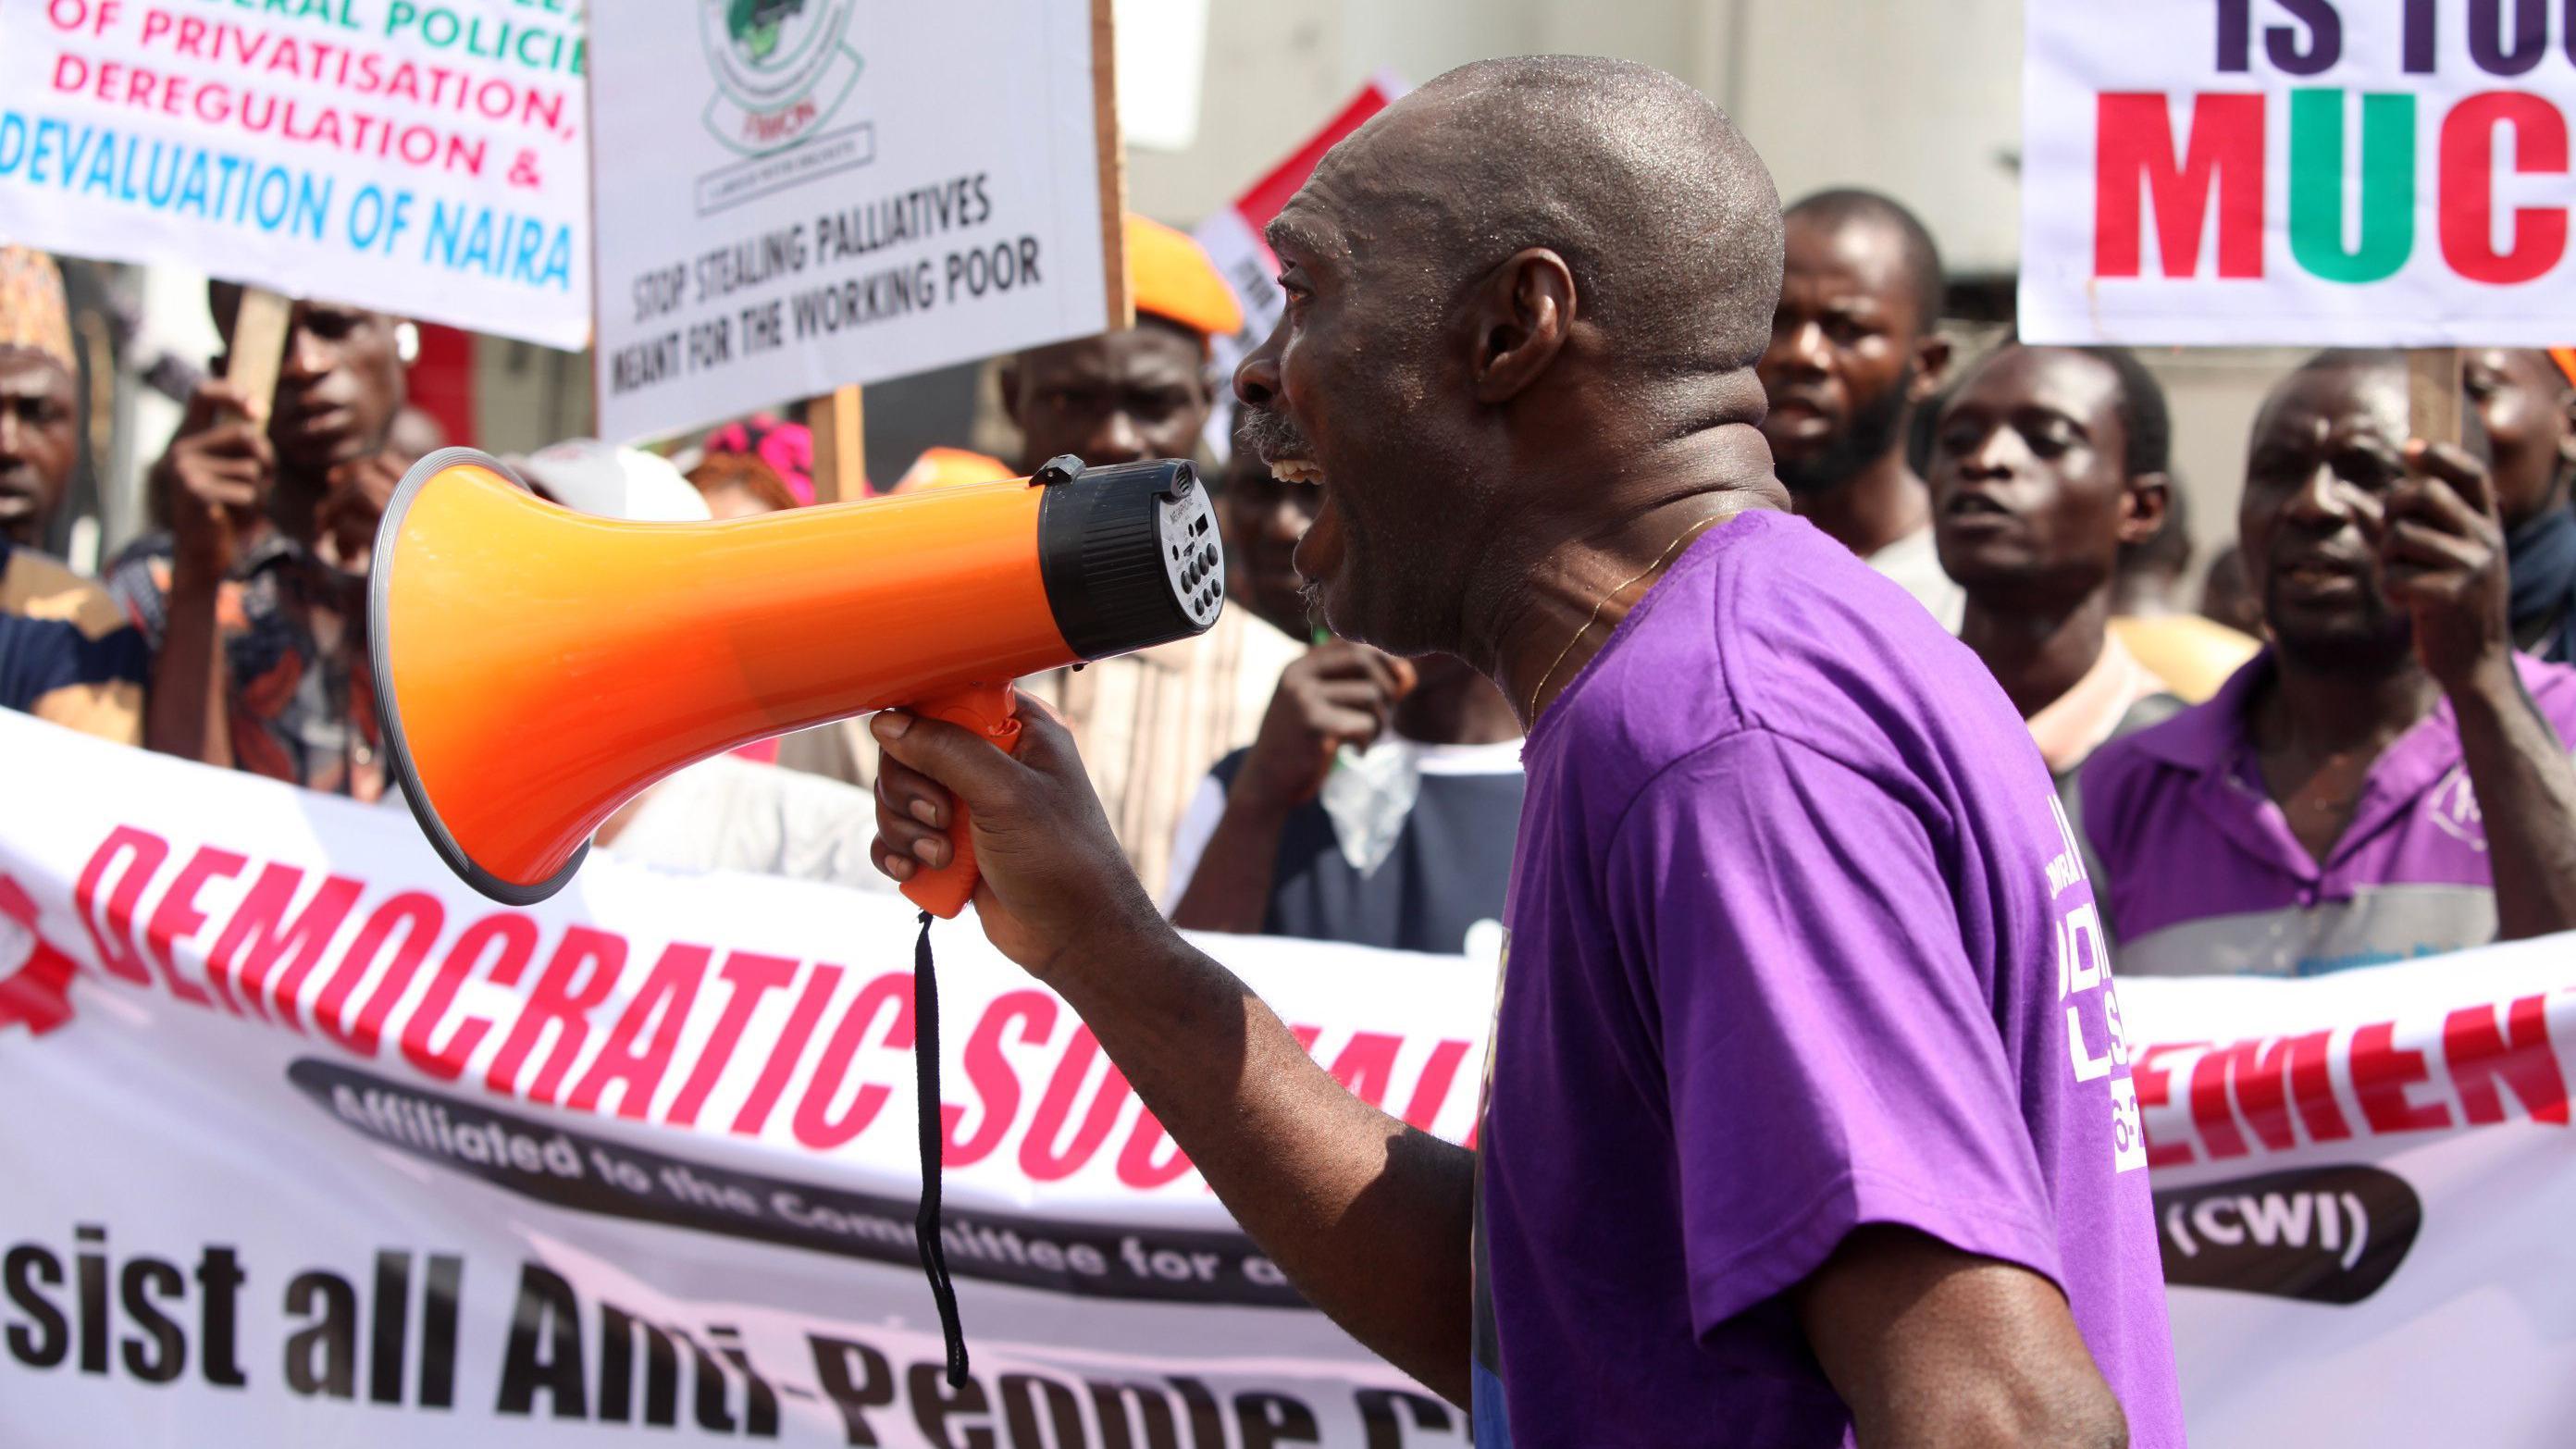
(992, 711)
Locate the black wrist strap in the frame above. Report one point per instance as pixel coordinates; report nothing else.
(925, 1224)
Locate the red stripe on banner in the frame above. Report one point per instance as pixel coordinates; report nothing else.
(2215, 1101)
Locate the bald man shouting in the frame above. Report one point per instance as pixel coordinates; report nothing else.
(1808, 1116)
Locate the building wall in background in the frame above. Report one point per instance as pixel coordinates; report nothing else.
(1920, 101)
(526, 396)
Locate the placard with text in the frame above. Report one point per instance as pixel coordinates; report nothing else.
(794, 195)
(422, 157)
(2297, 172)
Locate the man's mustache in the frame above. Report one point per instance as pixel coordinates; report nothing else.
(1270, 436)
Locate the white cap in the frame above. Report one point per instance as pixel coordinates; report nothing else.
(613, 482)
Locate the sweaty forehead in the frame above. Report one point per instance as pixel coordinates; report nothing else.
(2350, 401)
(1304, 230)
(1354, 198)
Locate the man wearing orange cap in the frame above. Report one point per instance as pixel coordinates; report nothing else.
(67, 653)
(1150, 724)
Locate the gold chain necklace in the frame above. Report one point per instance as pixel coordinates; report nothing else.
(1697, 527)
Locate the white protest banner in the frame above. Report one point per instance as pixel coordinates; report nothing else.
(1233, 239)
(422, 157)
(2365, 172)
(2363, 1184)
(366, 1159)
(305, 1142)
(795, 195)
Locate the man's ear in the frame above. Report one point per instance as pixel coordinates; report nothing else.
(2567, 439)
(1931, 365)
(2144, 506)
(1520, 319)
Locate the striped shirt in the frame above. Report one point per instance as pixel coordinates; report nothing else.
(1152, 723)
(67, 652)
(2202, 875)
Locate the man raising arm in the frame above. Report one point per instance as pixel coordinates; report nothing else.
(2388, 779)
(1805, 1116)
(255, 601)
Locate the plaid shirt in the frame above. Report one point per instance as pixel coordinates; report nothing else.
(301, 691)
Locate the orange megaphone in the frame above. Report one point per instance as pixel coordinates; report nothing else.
(536, 668)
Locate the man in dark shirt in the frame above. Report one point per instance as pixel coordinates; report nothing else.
(1855, 346)
(1377, 807)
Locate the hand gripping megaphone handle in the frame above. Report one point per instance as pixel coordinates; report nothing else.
(992, 711)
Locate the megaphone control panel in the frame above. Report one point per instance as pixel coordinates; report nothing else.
(1192, 556)
(1130, 556)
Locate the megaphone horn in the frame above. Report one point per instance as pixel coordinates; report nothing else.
(537, 668)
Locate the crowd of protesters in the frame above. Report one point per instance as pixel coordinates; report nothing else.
(1784, 816)
(2342, 742)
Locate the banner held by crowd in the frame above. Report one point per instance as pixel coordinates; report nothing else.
(638, 1160)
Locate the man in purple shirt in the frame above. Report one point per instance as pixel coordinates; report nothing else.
(1808, 1115)
(2389, 779)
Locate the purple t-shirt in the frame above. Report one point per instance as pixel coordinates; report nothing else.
(1799, 942)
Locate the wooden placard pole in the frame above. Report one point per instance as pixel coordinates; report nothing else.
(2433, 394)
(1113, 166)
(257, 349)
(838, 422)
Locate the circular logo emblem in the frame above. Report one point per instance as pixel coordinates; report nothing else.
(781, 68)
